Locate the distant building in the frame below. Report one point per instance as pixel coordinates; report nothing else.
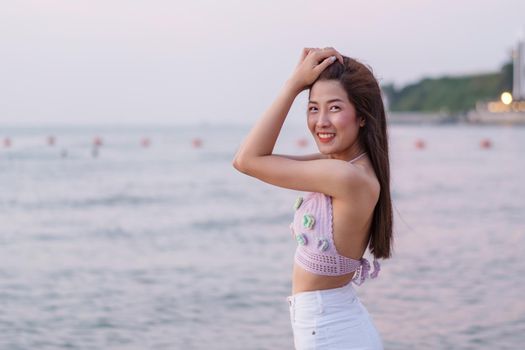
(511, 108)
(518, 82)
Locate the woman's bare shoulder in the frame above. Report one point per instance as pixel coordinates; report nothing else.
(363, 185)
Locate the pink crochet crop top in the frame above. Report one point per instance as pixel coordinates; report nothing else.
(312, 228)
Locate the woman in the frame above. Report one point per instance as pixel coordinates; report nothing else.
(348, 207)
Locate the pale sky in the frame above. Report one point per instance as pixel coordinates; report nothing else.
(171, 62)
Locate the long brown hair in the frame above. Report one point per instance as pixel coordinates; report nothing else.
(363, 91)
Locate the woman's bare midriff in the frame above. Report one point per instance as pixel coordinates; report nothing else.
(304, 281)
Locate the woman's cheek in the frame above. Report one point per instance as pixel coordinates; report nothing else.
(343, 120)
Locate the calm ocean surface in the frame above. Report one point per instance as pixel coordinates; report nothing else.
(169, 247)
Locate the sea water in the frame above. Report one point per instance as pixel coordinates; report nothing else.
(169, 247)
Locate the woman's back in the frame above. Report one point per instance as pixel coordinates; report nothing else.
(349, 224)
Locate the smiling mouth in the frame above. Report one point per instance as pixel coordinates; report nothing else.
(325, 137)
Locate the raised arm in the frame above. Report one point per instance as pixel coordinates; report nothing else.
(303, 157)
(263, 136)
(255, 158)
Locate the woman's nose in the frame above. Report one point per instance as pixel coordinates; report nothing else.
(323, 119)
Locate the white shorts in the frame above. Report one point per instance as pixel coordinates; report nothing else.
(332, 319)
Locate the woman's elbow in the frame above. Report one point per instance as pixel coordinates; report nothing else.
(237, 164)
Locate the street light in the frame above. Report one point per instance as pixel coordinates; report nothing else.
(506, 98)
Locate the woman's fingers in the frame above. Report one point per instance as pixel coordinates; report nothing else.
(329, 51)
(340, 58)
(326, 62)
(312, 62)
(305, 53)
(337, 54)
(322, 53)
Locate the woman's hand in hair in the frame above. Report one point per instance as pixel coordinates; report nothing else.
(312, 62)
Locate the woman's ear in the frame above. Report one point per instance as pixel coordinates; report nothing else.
(361, 121)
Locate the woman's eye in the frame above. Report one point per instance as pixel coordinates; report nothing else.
(313, 109)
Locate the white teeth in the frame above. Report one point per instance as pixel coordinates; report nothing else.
(326, 136)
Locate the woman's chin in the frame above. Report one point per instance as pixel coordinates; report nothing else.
(324, 148)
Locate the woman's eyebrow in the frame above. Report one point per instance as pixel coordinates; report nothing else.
(329, 101)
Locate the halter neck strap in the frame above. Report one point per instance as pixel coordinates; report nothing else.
(358, 157)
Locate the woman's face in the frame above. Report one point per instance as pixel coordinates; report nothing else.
(332, 120)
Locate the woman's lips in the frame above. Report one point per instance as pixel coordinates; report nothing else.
(325, 137)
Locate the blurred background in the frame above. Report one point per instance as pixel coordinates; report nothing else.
(123, 224)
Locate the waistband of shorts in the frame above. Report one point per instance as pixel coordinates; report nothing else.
(322, 294)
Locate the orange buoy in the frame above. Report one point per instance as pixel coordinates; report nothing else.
(485, 143)
(420, 144)
(196, 142)
(7, 142)
(50, 140)
(97, 142)
(302, 142)
(145, 142)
